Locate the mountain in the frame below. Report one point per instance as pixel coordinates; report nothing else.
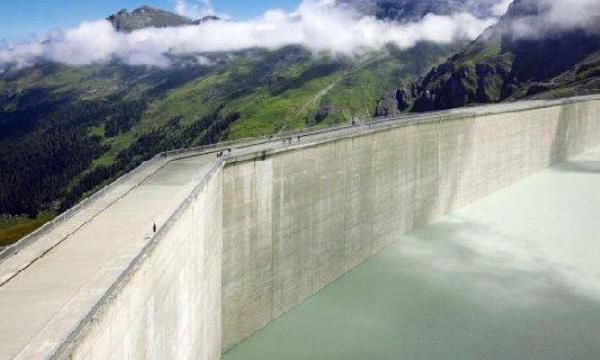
(147, 17)
(410, 10)
(65, 131)
(505, 63)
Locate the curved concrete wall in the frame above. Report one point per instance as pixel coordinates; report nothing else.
(270, 229)
(297, 220)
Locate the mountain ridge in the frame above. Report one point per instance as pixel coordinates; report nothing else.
(406, 11)
(504, 65)
(150, 17)
(82, 126)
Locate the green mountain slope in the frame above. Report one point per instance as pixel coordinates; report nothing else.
(67, 131)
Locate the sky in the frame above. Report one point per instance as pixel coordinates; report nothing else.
(321, 26)
(20, 19)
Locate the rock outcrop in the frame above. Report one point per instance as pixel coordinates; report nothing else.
(147, 17)
(502, 64)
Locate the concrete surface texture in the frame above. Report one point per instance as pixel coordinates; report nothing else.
(49, 298)
(245, 238)
(512, 276)
(167, 310)
(15, 258)
(297, 220)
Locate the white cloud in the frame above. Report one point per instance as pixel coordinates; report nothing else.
(316, 24)
(500, 8)
(197, 9)
(558, 15)
(573, 13)
(22, 55)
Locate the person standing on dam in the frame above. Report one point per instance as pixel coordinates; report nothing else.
(154, 228)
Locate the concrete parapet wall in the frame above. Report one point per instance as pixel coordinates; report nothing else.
(294, 221)
(168, 304)
(45, 238)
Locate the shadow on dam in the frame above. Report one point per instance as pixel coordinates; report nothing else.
(512, 276)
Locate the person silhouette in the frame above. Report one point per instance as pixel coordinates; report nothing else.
(154, 228)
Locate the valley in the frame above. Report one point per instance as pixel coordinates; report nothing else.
(67, 131)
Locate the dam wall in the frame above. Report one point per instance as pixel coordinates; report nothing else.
(296, 220)
(168, 305)
(272, 224)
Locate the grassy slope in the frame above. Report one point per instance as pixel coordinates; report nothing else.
(272, 92)
(15, 228)
(265, 114)
(495, 68)
(265, 108)
(583, 79)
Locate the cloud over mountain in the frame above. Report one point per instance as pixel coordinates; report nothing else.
(318, 25)
(197, 9)
(537, 18)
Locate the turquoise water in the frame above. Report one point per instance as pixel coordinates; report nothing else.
(514, 276)
(395, 308)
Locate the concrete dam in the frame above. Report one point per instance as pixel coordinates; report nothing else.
(245, 238)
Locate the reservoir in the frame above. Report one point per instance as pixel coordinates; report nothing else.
(513, 276)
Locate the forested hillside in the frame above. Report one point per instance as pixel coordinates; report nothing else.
(68, 130)
(65, 131)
